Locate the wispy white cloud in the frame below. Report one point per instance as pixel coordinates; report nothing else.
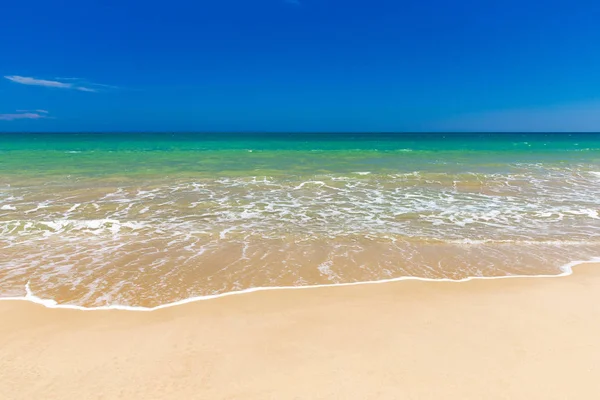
(60, 83)
(58, 78)
(37, 111)
(24, 114)
(85, 82)
(85, 89)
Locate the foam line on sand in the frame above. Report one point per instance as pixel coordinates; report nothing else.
(566, 269)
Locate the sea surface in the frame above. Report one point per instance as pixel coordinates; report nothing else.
(142, 219)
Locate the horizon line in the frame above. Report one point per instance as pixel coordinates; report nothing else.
(297, 132)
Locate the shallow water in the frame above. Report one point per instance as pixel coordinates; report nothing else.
(149, 219)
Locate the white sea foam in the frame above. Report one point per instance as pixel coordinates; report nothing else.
(325, 270)
(221, 231)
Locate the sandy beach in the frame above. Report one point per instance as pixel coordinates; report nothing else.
(493, 339)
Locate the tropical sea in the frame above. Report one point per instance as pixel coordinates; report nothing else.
(147, 219)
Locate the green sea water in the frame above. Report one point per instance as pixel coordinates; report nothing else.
(138, 154)
(143, 219)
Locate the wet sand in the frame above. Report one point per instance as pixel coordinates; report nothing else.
(493, 339)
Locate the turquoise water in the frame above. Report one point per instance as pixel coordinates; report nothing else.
(103, 154)
(146, 219)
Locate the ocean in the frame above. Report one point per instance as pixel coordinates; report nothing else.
(148, 219)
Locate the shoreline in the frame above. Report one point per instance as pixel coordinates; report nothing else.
(494, 339)
(566, 269)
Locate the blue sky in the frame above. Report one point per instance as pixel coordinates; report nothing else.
(306, 65)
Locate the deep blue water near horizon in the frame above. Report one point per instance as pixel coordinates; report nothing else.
(437, 140)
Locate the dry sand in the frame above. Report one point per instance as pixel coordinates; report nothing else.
(494, 339)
